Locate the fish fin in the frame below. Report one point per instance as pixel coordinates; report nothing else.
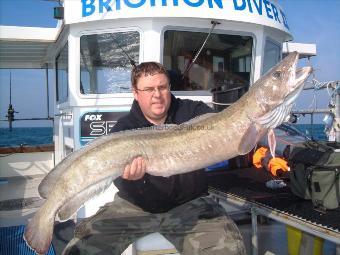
(73, 205)
(273, 118)
(272, 142)
(279, 114)
(249, 140)
(39, 231)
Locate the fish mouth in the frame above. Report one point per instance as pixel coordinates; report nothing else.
(301, 74)
(298, 75)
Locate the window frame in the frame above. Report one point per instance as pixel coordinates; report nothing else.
(274, 42)
(58, 102)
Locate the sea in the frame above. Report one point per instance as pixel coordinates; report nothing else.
(26, 136)
(44, 135)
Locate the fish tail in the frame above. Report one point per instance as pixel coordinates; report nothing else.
(39, 231)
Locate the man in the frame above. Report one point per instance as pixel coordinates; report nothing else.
(177, 206)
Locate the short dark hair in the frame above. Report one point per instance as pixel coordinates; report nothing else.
(147, 68)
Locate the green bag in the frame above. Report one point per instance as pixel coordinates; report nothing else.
(315, 171)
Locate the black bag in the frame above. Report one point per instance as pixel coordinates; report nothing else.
(315, 170)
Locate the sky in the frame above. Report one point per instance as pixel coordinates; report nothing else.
(310, 21)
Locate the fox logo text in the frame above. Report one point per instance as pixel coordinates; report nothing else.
(93, 117)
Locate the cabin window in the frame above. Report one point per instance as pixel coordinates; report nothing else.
(105, 62)
(62, 75)
(223, 66)
(272, 55)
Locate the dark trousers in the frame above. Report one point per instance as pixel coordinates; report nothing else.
(200, 226)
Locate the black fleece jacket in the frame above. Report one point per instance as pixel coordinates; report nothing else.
(159, 194)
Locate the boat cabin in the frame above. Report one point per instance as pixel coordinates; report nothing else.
(214, 50)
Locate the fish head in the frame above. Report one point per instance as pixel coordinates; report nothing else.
(281, 84)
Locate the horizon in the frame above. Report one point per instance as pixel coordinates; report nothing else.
(310, 21)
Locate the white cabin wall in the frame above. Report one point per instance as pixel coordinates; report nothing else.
(258, 56)
(65, 119)
(61, 111)
(73, 68)
(152, 41)
(264, 34)
(274, 35)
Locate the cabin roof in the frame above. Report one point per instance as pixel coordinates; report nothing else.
(28, 47)
(305, 49)
(25, 47)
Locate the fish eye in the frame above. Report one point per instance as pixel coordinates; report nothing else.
(277, 75)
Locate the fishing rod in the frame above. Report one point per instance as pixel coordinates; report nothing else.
(10, 110)
(132, 62)
(186, 71)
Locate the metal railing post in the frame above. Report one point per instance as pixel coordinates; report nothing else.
(254, 238)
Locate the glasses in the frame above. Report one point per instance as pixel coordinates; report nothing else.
(152, 90)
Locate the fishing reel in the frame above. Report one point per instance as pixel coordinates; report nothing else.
(293, 118)
(10, 115)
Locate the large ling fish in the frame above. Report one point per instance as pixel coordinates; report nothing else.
(169, 150)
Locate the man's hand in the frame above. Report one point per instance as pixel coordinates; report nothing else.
(135, 170)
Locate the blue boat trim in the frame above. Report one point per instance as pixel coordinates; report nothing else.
(12, 242)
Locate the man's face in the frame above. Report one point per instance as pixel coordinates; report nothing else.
(154, 97)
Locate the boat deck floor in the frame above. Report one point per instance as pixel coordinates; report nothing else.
(249, 183)
(19, 200)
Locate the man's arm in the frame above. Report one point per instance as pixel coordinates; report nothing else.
(136, 169)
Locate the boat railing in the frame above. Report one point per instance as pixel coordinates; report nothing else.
(332, 113)
(26, 149)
